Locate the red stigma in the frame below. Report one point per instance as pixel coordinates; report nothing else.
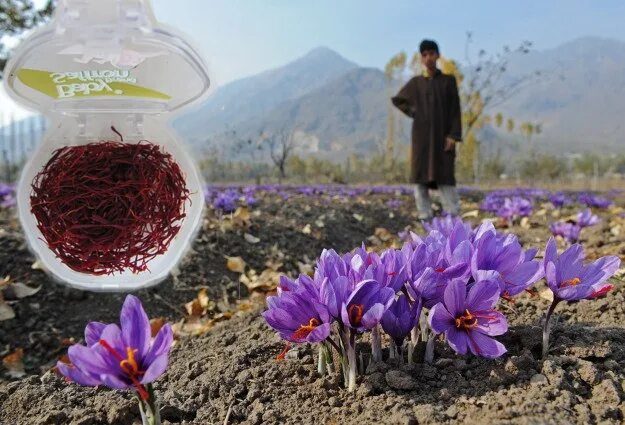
(304, 330)
(601, 292)
(355, 313)
(467, 321)
(439, 269)
(285, 350)
(129, 366)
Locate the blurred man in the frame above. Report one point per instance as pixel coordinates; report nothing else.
(431, 100)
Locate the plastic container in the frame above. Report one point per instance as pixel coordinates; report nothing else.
(99, 64)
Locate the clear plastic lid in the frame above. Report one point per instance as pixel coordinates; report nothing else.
(106, 55)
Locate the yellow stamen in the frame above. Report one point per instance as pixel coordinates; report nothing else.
(570, 282)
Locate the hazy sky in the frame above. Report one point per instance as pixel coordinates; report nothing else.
(242, 37)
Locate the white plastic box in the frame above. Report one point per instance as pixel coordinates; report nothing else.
(103, 63)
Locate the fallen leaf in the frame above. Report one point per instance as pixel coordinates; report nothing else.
(156, 324)
(383, 234)
(241, 217)
(235, 264)
(6, 312)
(22, 291)
(251, 238)
(194, 308)
(14, 364)
(473, 213)
(202, 297)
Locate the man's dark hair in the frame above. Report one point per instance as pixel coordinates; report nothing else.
(428, 45)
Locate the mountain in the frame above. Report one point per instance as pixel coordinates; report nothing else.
(579, 97)
(251, 98)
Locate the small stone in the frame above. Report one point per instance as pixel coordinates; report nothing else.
(452, 412)
(377, 381)
(588, 372)
(460, 364)
(399, 380)
(444, 394)
(441, 363)
(365, 389)
(334, 402)
(539, 379)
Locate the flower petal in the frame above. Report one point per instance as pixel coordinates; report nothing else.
(113, 381)
(439, 319)
(93, 332)
(162, 344)
(135, 325)
(88, 360)
(74, 374)
(320, 333)
(454, 297)
(485, 346)
(373, 316)
(457, 340)
(482, 296)
(156, 369)
(491, 323)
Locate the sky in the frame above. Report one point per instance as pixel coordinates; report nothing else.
(239, 38)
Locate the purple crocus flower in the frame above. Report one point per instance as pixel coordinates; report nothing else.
(120, 358)
(297, 317)
(586, 218)
(469, 320)
(445, 225)
(594, 201)
(364, 308)
(400, 318)
(502, 255)
(569, 231)
(515, 207)
(558, 200)
(570, 280)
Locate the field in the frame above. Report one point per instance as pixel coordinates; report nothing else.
(223, 366)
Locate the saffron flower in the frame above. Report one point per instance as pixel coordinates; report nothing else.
(514, 268)
(297, 317)
(123, 357)
(568, 231)
(400, 318)
(571, 280)
(468, 319)
(586, 218)
(365, 306)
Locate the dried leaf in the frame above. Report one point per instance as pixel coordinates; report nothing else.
(472, 213)
(383, 234)
(14, 364)
(6, 312)
(194, 308)
(22, 291)
(202, 297)
(525, 223)
(235, 264)
(241, 217)
(251, 238)
(156, 324)
(307, 230)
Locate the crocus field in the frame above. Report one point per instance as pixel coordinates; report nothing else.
(333, 304)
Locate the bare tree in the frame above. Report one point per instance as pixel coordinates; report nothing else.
(281, 146)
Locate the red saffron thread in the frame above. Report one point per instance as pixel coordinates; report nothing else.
(110, 206)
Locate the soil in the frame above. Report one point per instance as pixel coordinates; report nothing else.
(231, 372)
